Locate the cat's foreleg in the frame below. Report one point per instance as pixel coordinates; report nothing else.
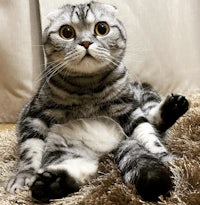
(165, 114)
(162, 114)
(31, 144)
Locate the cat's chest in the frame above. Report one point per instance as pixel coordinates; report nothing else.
(85, 106)
(83, 110)
(89, 110)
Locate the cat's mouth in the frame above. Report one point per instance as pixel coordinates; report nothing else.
(88, 56)
(89, 59)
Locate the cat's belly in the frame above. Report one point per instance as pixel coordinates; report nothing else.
(98, 135)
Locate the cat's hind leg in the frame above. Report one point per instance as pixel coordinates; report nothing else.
(71, 155)
(59, 180)
(64, 169)
(143, 168)
(141, 160)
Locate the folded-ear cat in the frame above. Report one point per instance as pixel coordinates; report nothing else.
(86, 106)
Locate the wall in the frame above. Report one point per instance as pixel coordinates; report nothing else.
(20, 55)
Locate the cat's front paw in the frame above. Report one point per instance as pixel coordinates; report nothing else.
(52, 185)
(152, 182)
(174, 107)
(24, 178)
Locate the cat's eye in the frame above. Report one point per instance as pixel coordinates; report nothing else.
(67, 32)
(102, 29)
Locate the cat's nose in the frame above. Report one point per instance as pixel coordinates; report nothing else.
(86, 44)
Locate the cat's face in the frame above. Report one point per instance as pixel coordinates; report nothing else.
(85, 38)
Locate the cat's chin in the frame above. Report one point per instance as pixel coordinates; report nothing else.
(89, 65)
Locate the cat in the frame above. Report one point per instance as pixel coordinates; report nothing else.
(86, 106)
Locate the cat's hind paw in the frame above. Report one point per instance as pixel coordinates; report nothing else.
(52, 185)
(153, 182)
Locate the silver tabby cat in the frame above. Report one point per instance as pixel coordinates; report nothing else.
(86, 107)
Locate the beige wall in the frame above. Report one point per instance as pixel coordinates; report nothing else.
(163, 46)
(20, 57)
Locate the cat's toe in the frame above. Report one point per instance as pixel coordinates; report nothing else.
(49, 185)
(40, 188)
(174, 107)
(151, 183)
(179, 104)
(23, 178)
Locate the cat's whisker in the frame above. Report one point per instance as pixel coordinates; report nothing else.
(102, 49)
(114, 63)
(115, 59)
(48, 70)
(56, 71)
(48, 74)
(109, 58)
(71, 57)
(69, 53)
(37, 45)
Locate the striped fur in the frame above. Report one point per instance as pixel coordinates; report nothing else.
(86, 106)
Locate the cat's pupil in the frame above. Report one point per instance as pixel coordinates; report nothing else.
(102, 28)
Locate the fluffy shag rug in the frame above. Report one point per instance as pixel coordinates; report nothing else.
(108, 188)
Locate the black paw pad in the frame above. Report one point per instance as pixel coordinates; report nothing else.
(153, 182)
(48, 185)
(174, 107)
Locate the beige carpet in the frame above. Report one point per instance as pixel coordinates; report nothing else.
(108, 188)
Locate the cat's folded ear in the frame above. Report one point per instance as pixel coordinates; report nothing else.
(108, 7)
(54, 14)
(111, 8)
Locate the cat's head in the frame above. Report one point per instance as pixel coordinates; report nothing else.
(84, 38)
